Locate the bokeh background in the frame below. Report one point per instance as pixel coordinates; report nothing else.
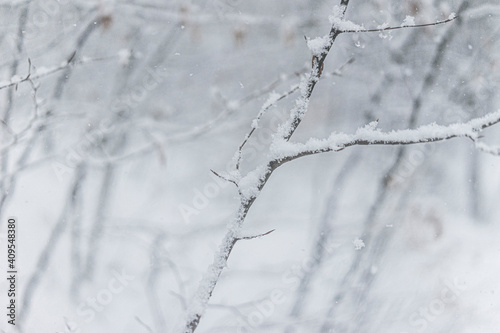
(114, 113)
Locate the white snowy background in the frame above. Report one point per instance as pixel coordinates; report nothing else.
(115, 112)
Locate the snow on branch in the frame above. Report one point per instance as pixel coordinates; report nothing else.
(271, 101)
(347, 26)
(308, 83)
(285, 151)
(338, 22)
(320, 48)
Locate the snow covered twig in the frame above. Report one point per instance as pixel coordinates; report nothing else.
(320, 49)
(355, 28)
(272, 100)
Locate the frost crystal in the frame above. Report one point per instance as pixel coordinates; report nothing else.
(408, 21)
(124, 56)
(358, 244)
(383, 26)
(318, 45)
(337, 20)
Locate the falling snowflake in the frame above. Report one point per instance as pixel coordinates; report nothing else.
(408, 21)
(358, 244)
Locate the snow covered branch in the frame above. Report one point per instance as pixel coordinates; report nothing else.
(271, 101)
(348, 26)
(320, 51)
(282, 150)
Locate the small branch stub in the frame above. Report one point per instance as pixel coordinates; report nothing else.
(224, 178)
(256, 236)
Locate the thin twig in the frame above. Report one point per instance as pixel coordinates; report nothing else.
(492, 150)
(403, 27)
(256, 236)
(224, 178)
(56, 69)
(143, 324)
(267, 106)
